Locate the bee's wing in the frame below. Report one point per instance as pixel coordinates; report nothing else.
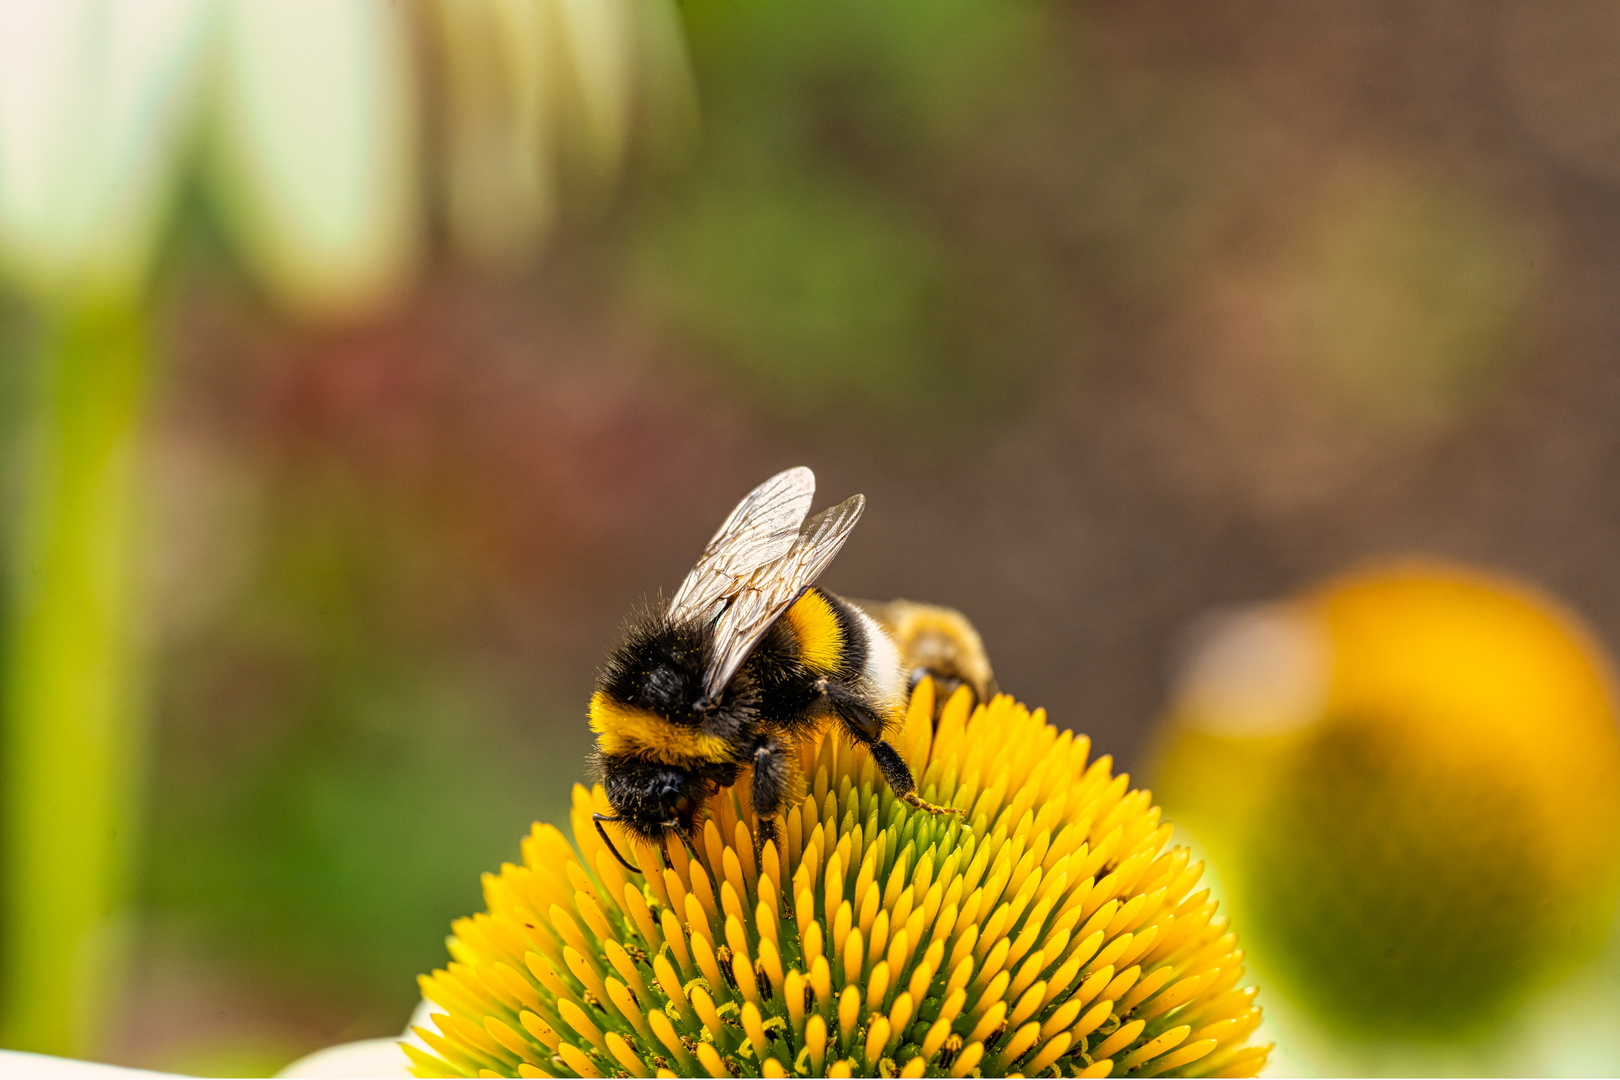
(763, 528)
(772, 590)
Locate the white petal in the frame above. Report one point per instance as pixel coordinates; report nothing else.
(317, 137)
(369, 1058)
(44, 1067)
(95, 99)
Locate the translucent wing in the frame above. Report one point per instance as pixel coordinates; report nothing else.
(762, 529)
(771, 589)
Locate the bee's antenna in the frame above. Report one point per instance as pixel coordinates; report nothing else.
(599, 819)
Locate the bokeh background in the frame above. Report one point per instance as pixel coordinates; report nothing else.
(1117, 313)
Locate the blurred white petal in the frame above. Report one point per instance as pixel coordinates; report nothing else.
(1254, 671)
(500, 59)
(539, 89)
(599, 39)
(313, 126)
(317, 142)
(95, 96)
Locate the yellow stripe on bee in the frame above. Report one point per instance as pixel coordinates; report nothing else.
(821, 640)
(621, 729)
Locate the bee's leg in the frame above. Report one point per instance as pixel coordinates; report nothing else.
(898, 774)
(770, 788)
(863, 724)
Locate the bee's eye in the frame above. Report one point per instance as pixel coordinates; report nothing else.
(683, 805)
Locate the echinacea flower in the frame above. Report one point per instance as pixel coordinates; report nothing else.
(1409, 779)
(1047, 931)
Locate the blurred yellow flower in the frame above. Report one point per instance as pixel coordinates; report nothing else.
(1052, 935)
(1409, 779)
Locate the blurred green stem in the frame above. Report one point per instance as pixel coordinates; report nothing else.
(72, 741)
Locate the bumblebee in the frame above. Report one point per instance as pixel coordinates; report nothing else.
(936, 643)
(750, 659)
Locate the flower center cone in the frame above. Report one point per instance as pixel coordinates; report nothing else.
(1047, 930)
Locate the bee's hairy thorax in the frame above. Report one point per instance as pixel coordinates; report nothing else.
(646, 703)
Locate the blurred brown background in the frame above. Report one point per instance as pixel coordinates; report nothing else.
(1115, 312)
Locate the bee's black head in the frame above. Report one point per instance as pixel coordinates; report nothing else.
(662, 747)
(652, 798)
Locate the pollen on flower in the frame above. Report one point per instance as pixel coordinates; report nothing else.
(1047, 932)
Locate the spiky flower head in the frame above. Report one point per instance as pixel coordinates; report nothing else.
(1047, 932)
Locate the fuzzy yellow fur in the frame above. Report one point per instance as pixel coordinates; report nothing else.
(621, 729)
(821, 640)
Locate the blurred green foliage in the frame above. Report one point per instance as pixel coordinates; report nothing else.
(1414, 296)
(819, 294)
(827, 246)
(74, 750)
(333, 778)
(342, 850)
